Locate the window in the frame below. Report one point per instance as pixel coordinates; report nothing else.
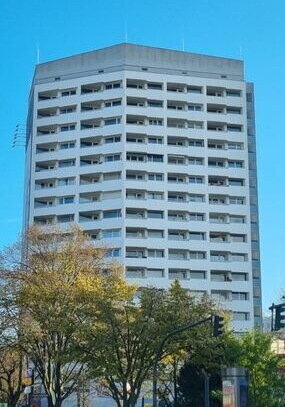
(134, 139)
(235, 146)
(155, 177)
(65, 218)
(65, 200)
(178, 274)
(176, 160)
(195, 161)
(135, 233)
(112, 214)
(240, 316)
(197, 255)
(65, 146)
(109, 233)
(196, 216)
(196, 198)
(114, 85)
(233, 110)
(236, 182)
(216, 145)
(113, 157)
(155, 103)
(135, 272)
(238, 238)
(194, 89)
(66, 181)
(198, 274)
(197, 236)
(177, 254)
(176, 216)
(134, 214)
(176, 235)
(111, 103)
(115, 120)
(195, 180)
(134, 177)
(239, 277)
(65, 110)
(133, 252)
(196, 108)
(239, 257)
(66, 163)
(237, 200)
(155, 195)
(111, 176)
(235, 164)
(155, 122)
(233, 92)
(134, 195)
(196, 143)
(174, 197)
(115, 139)
(232, 127)
(237, 219)
(68, 92)
(240, 296)
(152, 233)
(67, 127)
(155, 214)
(155, 158)
(155, 140)
(155, 86)
(155, 253)
(135, 157)
(155, 273)
(111, 194)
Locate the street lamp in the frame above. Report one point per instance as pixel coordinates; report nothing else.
(160, 349)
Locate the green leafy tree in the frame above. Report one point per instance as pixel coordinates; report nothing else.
(267, 385)
(123, 334)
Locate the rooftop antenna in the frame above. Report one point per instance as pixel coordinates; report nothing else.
(38, 53)
(240, 52)
(126, 31)
(183, 43)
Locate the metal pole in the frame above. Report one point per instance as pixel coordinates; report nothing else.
(159, 353)
(207, 390)
(272, 316)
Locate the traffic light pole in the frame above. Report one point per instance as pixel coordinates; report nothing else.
(160, 349)
(279, 321)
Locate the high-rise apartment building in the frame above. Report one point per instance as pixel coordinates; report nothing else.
(152, 152)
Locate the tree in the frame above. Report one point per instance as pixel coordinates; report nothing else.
(266, 383)
(11, 375)
(124, 335)
(47, 269)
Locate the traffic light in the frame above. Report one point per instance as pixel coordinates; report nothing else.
(279, 317)
(218, 328)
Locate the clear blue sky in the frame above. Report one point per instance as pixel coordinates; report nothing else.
(254, 29)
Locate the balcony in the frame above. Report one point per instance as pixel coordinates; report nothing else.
(48, 112)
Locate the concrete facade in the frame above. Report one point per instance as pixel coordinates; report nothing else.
(152, 152)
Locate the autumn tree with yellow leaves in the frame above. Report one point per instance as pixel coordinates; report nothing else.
(48, 271)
